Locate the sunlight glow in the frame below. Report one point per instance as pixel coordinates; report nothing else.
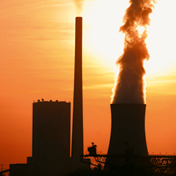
(102, 38)
(103, 19)
(140, 29)
(161, 40)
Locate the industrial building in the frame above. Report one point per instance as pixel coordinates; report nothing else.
(51, 136)
(51, 129)
(50, 141)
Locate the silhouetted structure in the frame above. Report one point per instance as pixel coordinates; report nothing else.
(51, 128)
(77, 128)
(18, 169)
(51, 136)
(128, 129)
(135, 165)
(77, 131)
(92, 150)
(4, 171)
(50, 141)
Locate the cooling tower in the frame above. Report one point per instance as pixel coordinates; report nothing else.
(128, 129)
(77, 130)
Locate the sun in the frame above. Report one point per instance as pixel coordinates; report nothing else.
(102, 38)
(102, 20)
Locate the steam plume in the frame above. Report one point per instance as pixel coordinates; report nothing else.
(78, 4)
(129, 86)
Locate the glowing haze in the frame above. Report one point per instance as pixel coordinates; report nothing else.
(37, 61)
(129, 86)
(79, 5)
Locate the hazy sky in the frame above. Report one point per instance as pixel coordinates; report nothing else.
(37, 58)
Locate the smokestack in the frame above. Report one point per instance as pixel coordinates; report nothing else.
(128, 129)
(77, 130)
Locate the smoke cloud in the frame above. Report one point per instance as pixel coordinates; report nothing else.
(129, 86)
(79, 5)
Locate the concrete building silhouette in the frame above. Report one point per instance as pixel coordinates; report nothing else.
(128, 129)
(50, 141)
(51, 136)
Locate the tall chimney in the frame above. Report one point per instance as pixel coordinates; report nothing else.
(128, 129)
(77, 128)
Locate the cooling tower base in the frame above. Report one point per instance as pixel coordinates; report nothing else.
(128, 129)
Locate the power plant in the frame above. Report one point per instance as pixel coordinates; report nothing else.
(51, 129)
(52, 152)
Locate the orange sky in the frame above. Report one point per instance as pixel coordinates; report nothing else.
(37, 58)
